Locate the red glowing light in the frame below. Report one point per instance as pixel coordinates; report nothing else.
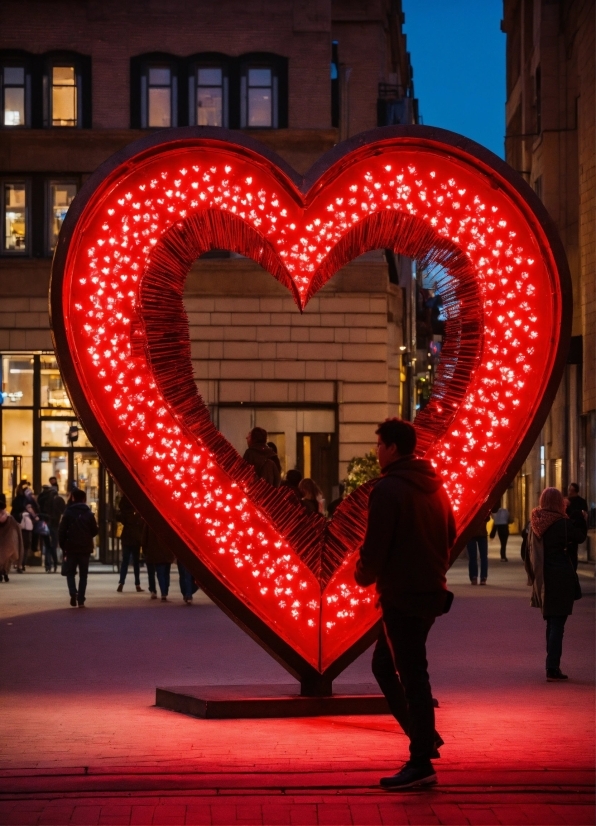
(117, 287)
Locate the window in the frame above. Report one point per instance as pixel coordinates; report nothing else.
(159, 99)
(211, 96)
(13, 96)
(259, 98)
(64, 102)
(14, 218)
(60, 197)
(263, 91)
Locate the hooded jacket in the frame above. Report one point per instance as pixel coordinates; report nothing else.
(265, 462)
(410, 531)
(77, 529)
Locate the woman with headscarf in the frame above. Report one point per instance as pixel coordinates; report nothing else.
(551, 573)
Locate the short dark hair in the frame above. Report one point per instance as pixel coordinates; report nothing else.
(52, 479)
(293, 477)
(575, 486)
(258, 435)
(78, 495)
(399, 433)
(273, 446)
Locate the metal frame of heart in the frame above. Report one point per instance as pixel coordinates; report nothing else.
(122, 342)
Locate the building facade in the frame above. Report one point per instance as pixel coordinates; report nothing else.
(80, 80)
(551, 141)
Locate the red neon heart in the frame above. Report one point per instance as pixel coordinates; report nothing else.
(122, 340)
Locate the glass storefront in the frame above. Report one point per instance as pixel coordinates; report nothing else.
(41, 437)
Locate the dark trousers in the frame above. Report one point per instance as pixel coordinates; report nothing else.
(50, 553)
(187, 585)
(478, 545)
(401, 670)
(555, 627)
(503, 534)
(74, 561)
(151, 577)
(162, 570)
(127, 552)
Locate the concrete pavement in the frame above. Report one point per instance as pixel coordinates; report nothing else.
(83, 743)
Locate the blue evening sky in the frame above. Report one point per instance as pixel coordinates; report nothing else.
(458, 54)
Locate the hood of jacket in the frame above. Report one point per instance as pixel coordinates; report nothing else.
(78, 508)
(417, 472)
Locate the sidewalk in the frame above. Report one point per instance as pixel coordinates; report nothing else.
(82, 742)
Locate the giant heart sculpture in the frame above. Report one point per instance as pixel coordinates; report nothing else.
(121, 337)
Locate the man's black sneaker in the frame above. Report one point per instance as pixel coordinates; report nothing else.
(410, 776)
(73, 602)
(555, 675)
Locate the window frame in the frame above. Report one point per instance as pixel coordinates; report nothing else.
(82, 69)
(140, 67)
(278, 66)
(16, 58)
(48, 212)
(209, 60)
(16, 64)
(4, 182)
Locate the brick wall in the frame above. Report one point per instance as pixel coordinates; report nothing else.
(250, 344)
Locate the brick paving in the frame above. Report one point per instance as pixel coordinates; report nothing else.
(82, 743)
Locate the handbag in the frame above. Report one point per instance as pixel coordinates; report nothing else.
(26, 522)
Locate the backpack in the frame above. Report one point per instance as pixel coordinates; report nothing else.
(79, 536)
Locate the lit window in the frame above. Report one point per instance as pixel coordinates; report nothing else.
(259, 98)
(15, 218)
(159, 98)
(13, 103)
(210, 96)
(64, 96)
(61, 195)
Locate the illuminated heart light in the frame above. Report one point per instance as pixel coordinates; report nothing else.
(121, 336)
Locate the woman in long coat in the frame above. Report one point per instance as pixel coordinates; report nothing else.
(550, 571)
(11, 540)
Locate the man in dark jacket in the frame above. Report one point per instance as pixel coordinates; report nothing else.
(406, 554)
(577, 506)
(76, 532)
(264, 460)
(51, 507)
(132, 536)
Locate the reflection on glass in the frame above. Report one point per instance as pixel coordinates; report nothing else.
(54, 433)
(53, 392)
(160, 97)
(64, 96)
(209, 97)
(15, 217)
(61, 197)
(86, 477)
(17, 381)
(55, 463)
(17, 438)
(14, 96)
(260, 97)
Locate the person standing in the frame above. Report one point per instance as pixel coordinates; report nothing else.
(410, 530)
(501, 522)
(478, 545)
(576, 504)
(52, 505)
(292, 480)
(132, 535)
(311, 496)
(20, 512)
(264, 460)
(77, 530)
(554, 581)
(11, 540)
(160, 559)
(188, 586)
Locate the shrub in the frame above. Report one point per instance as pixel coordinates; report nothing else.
(360, 470)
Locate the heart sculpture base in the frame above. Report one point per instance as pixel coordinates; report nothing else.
(229, 702)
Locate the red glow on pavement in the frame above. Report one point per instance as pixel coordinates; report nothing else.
(136, 212)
